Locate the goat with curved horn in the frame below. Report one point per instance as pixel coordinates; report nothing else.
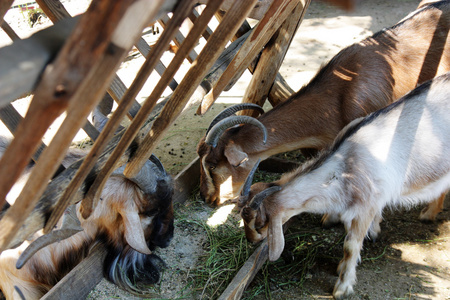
(378, 71)
(217, 130)
(133, 217)
(232, 110)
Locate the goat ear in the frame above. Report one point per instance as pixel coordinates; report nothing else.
(134, 234)
(275, 238)
(235, 155)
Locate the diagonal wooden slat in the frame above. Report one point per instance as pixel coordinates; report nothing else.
(215, 45)
(275, 16)
(107, 133)
(135, 126)
(4, 6)
(79, 76)
(272, 57)
(9, 31)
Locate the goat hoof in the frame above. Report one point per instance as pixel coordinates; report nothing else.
(342, 291)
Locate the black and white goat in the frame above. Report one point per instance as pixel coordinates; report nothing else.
(360, 79)
(132, 219)
(396, 156)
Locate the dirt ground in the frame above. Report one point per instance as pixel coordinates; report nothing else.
(409, 261)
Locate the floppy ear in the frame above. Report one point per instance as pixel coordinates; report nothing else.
(235, 155)
(275, 238)
(134, 234)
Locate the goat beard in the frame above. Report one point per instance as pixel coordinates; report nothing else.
(131, 270)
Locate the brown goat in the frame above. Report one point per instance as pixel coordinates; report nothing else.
(132, 219)
(360, 79)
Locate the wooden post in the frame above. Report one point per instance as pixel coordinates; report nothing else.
(275, 16)
(215, 45)
(4, 6)
(78, 75)
(272, 57)
(135, 126)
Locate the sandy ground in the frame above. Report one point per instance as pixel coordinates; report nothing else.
(413, 258)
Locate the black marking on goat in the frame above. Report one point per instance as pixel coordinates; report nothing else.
(131, 270)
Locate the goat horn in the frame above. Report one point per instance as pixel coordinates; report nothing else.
(142, 179)
(213, 136)
(256, 202)
(70, 226)
(248, 182)
(134, 234)
(232, 110)
(157, 163)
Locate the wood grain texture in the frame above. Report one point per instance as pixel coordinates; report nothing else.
(212, 50)
(271, 59)
(259, 37)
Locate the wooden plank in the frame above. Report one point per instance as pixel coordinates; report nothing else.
(89, 203)
(280, 90)
(24, 61)
(150, 102)
(249, 270)
(53, 9)
(259, 37)
(4, 6)
(9, 31)
(79, 75)
(215, 45)
(257, 12)
(179, 38)
(82, 279)
(186, 181)
(271, 59)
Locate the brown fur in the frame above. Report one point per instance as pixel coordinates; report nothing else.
(358, 80)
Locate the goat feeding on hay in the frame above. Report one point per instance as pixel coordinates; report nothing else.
(360, 79)
(396, 156)
(132, 218)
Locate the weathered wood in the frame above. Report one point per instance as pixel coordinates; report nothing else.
(280, 90)
(144, 48)
(150, 102)
(9, 31)
(271, 59)
(79, 75)
(88, 204)
(4, 6)
(257, 12)
(186, 181)
(53, 9)
(179, 38)
(24, 61)
(259, 37)
(215, 45)
(249, 270)
(246, 274)
(82, 279)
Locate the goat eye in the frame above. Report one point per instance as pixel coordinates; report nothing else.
(212, 167)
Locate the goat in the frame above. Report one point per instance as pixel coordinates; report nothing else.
(133, 217)
(360, 79)
(396, 156)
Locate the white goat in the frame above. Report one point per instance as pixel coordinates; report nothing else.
(397, 156)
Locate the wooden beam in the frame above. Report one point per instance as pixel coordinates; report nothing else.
(79, 75)
(9, 31)
(215, 45)
(24, 61)
(271, 59)
(259, 37)
(5, 5)
(257, 12)
(138, 122)
(81, 279)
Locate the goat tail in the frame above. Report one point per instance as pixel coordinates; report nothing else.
(133, 271)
